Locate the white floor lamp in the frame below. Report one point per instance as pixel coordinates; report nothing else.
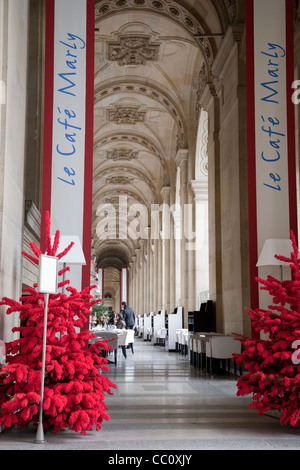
(272, 247)
(74, 256)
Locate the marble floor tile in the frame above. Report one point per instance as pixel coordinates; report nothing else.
(164, 403)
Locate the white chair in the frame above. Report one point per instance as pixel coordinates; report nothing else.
(177, 339)
(141, 327)
(221, 348)
(181, 340)
(192, 350)
(184, 342)
(200, 351)
(149, 333)
(161, 336)
(126, 339)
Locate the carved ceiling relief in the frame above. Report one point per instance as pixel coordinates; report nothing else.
(122, 154)
(133, 139)
(149, 92)
(168, 8)
(146, 142)
(227, 10)
(126, 115)
(133, 50)
(119, 180)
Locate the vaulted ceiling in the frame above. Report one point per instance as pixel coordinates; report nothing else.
(148, 69)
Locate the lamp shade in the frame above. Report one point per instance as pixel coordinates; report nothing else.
(272, 247)
(75, 255)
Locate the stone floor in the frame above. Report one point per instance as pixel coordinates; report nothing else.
(163, 403)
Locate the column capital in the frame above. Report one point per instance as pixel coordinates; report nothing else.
(165, 194)
(181, 157)
(200, 188)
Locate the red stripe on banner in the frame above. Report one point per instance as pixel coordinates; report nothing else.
(252, 208)
(89, 118)
(291, 116)
(48, 117)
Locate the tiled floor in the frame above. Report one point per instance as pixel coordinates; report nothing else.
(163, 403)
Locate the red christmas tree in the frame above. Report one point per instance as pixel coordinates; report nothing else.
(273, 366)
(74, 388)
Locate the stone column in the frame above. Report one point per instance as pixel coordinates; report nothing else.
(151, 277)
(130, 284)
(143, 306)
(225, 102)
(156, 274)
(138, 281)
(172, 266)
(14, 29)
(200, 190)
(182, 163)
(134, 287)
(176, 259)
(166, 250)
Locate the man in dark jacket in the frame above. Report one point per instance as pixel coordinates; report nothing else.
(128, 316)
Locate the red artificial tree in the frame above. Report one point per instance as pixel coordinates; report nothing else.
(74, 388)
(273, 367)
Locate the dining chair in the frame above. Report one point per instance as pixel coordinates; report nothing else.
(221, 348)
(111, 338)
(192, 350)
(161, 336)
(126, 339)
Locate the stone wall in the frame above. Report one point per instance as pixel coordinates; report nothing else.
(13, 77)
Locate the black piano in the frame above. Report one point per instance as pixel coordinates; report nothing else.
(203, 319)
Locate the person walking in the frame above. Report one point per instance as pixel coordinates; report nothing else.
(128, 316)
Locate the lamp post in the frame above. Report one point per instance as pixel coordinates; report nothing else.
(47, 284)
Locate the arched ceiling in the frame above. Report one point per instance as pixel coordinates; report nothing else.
(147, 68)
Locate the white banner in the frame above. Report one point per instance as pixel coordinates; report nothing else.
(271, 156)
(67, 177)
(69, 116)
(272, 182)
(69, 122)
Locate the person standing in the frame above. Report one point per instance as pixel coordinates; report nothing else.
(128, 316)
(120, 323)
